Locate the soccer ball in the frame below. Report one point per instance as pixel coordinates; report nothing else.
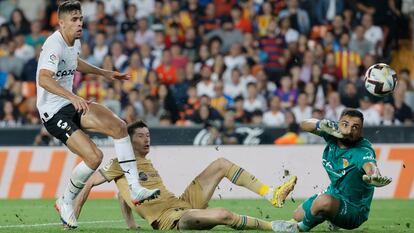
(380, 79)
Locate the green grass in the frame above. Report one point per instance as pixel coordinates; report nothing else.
(388, 216)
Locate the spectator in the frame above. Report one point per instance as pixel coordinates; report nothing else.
(112, 101)
(254, 101)
(291, 136)
(229, 134)
(130, 22)
(350, 96)
(371, 115)
(144, 35)
(257, 118)
(236, 87)
(402, 111)
(9, 116)
(166, 71)
(35, 38)
(168, 102)
(11, 63)
(19, 22)
(87, 56)
(137, 72)
(145, 7)
(286, 92)
(344, 55)
(388, 117)
(302, 110)
(297, 15)
(227, 34)
(264, 19)
(360, 44)
(373, 33)
(221, 102)
(118, 56)
(210, 22)
(100, 49)
(240, 22)
(203, 58)
(152, 111)
(23, 51)
(30, 67)
(178, 60)
(326, 10)
(129, 44)
(334, 107)
(148, 59)
(135, 101)
(240, 115)
(274, 116)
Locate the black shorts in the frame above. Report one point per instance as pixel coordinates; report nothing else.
(64, 123)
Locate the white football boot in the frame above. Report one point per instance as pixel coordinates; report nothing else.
(144, 194)
(67, 214)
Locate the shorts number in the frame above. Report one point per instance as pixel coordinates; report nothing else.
(62, 124)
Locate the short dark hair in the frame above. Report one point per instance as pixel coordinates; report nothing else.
(68, 6)
(352, 112)
(136, 125)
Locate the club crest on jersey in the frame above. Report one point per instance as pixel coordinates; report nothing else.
(345, 163)
(53, 59)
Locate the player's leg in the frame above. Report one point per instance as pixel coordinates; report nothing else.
(195, 219)
(316, 210)
(220, 168)
(100, 119)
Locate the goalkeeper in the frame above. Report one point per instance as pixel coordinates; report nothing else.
(350, 163)
(189, 211)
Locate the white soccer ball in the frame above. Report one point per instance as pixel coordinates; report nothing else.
(380, 79)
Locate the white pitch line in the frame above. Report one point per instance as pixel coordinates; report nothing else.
(57, 224)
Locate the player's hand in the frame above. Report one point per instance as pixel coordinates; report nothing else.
(329, 127)
(115, 75)
(81, 105)
(376, 180)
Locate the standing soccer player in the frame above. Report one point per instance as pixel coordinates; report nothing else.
(349, 160)
(66, 115)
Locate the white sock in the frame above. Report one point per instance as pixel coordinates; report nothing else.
(269, 195)
(127, 161)
(79, 176)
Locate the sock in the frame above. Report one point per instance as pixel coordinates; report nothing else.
(309, 220)
(239, 176)
(79, 176)
(243, 222)
(127, 161)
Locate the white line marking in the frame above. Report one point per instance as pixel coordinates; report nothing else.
(59, 223)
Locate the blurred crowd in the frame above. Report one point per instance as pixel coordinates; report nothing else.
(219, 62)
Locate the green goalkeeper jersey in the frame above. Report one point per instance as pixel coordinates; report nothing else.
(345, 170)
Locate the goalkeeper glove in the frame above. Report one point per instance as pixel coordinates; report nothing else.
(329, 127)
(376, 180)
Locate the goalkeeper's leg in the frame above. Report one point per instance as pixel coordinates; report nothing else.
(220, 168)
(316, 210)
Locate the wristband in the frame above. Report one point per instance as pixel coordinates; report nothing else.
(318, 125)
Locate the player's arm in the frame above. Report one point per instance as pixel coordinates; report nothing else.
(316, 126)
(373, 176)
(47, 81)
(95, 180)
(87, 68)
(127, 213)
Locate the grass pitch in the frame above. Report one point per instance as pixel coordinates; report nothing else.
(390, 216)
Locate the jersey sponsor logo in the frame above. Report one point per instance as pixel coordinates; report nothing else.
(52, 59)
(368, 156)
(61, 73)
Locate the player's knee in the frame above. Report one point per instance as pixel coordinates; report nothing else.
(119, 129)
(222, 164)
(224, 215)
(324, 205)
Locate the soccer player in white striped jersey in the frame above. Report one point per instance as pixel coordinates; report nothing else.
(66, 116)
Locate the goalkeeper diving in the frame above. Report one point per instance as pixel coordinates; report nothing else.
(349, 160)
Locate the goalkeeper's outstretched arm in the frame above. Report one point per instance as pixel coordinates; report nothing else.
(373, 176)
(316, 126)
(309, 125)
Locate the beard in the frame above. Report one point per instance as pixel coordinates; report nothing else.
(348, 142)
